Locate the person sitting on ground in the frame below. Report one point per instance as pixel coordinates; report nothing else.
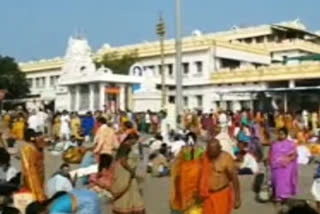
(70, 143)
(8, 173)
(61, 181)
(301, 208)
(158, 163)
(102, 181)
(78, 201)
(248, 164)
(177, 145)
(155, 144)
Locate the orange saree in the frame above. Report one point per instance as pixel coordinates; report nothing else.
(32, 162)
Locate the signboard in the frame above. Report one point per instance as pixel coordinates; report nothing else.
(112, 90)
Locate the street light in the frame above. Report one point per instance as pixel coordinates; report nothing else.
(178, 59)
(161, 31)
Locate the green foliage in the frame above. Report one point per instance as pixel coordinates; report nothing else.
(119, 64)
(12, 79)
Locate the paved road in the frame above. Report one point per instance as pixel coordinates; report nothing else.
(156, 190)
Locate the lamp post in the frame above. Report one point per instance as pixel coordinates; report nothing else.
(178, 60)
(161, 31)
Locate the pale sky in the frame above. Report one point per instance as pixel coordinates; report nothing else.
(35, 29)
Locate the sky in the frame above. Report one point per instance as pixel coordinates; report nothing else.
(37, 29)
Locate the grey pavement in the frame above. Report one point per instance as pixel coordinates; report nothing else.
(156, 190)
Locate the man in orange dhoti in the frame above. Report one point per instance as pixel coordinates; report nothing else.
(32, 162)
(219, 183)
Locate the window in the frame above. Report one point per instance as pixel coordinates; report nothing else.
(199, 100)
(172, 99)
(30, 81)
(170, 69)
(185, 101)
(152, 68)
(52, 81)
(260, 39)
(185, 67)
(199, 66)
(37, 82)
(160, 69)
(42, 82)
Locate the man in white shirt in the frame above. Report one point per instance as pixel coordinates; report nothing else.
(42, 117)
(65, 125)
(304, 155)
(33, 122)
(249, 164)
(61, 181)
(148, 121)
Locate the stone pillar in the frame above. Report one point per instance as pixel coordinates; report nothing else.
(285, 102)
(77, 100)
(122, 97)
(236, 106)
(91, 97)
(130, 97)
(102, 95)
(292, 84)
(47, 82)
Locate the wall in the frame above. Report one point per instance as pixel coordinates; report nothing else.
(241, 55)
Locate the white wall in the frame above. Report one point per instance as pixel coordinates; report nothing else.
(242, 55)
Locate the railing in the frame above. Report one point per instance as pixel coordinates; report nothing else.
(305, 70)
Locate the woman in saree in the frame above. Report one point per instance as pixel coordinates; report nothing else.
(284, 167)
(18, 128)
(78, 201)
(32, 164)
(118, 177)
(127, 198)
(75, 126)
(56, 125)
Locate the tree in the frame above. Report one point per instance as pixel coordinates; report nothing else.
(12, 79)
(119, 64)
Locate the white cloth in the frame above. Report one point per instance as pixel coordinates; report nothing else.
(165, 128)
(250, 162)
(315, 189)
(226, 143)
(304, 155)
(65, 126)
(155, 145)
(176, 146)
(147, 118)
(11, 173)
(58, 183)
(33, 122)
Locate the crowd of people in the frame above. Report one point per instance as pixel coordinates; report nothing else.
(105, 157)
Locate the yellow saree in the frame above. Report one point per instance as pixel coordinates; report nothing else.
(32, 163)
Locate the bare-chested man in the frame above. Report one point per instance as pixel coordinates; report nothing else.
(219, 184)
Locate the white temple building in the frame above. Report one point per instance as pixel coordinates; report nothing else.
(228, 70)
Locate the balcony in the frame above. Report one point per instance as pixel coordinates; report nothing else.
(294, 44)
(305, 70)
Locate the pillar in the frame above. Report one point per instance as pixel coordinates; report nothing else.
(292, 84)
(285, 102)
(91, 97)
(236, 106)
(77, 100)
(122, 97)
(102, 97)
(47, 82)
(130, 97)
